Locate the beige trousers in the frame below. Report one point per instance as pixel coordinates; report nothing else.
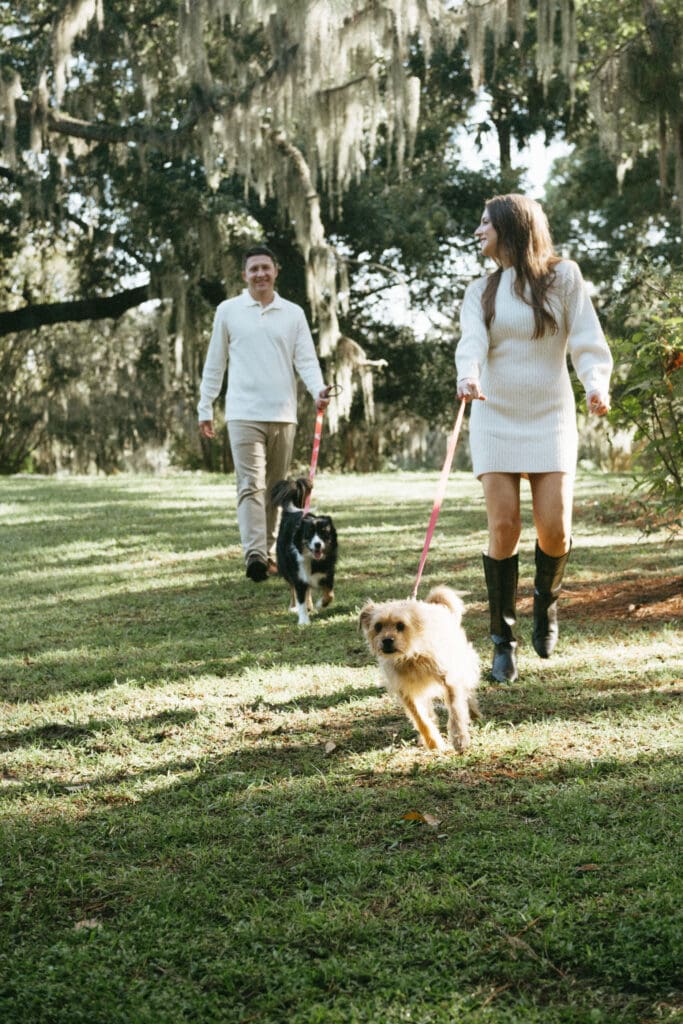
(262, 453)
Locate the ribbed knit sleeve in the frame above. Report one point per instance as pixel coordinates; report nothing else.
(589, 352)
(473, 346)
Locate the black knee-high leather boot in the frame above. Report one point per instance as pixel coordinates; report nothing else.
(501, 584)
(547, 587)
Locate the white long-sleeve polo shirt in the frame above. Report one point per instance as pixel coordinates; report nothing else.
(264, 347)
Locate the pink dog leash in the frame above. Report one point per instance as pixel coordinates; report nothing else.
(332, 392)
(441, 490)
(317, 434)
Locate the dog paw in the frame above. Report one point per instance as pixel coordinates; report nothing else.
(460, 743)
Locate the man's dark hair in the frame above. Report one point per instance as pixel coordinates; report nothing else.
(259, 250)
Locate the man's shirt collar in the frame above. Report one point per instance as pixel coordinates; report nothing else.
(249, 300)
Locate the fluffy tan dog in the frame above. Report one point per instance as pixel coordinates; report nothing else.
(423, 652)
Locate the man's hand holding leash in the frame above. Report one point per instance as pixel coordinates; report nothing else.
(323, 399)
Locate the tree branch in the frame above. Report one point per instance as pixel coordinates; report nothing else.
(201, 102)
(101, 307)
(30, 318)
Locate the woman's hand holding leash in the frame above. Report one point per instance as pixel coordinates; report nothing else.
(597, 403)
(468, 389)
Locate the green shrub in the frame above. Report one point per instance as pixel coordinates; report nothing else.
(648, 384)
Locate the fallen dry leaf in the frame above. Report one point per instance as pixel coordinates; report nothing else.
(431, 820)
(426, 819)
(330, 746)
(88, 922)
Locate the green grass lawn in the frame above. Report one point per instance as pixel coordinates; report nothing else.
(212, 814)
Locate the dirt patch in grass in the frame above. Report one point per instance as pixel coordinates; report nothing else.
(620, 510)
(631, 597)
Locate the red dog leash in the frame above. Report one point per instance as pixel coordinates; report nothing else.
(441, 490)
(332, 392)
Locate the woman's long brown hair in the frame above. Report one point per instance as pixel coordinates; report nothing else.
(524, 235)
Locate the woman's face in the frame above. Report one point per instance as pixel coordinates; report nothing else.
(487, 236)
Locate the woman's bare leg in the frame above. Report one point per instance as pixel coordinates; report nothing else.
(552, 495)
(501, 493)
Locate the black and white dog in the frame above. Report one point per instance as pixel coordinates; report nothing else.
(306, 548)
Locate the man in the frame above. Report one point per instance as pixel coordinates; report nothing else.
(263, 339)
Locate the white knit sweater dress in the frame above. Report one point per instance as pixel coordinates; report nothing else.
(528, 422)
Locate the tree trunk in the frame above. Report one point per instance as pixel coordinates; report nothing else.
(679, 165)
(504, 145)
(663, 157)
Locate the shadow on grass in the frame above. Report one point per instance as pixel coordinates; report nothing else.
(362, 720)
(271, 881)
(536, 701)
(56, 735)
(290, 758)
(319, 702)
(166, 649)
(150, 639)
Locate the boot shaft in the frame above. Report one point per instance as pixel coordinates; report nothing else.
(501, 583)
(547, 587)
(549, 572)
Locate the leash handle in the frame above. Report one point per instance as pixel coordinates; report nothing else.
(317, 434)
(440, 492)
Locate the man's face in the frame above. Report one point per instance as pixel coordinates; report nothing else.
(260, 274)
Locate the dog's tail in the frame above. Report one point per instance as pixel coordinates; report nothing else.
(291, 492)
(447, 597)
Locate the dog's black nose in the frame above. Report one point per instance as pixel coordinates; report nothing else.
(388, 645)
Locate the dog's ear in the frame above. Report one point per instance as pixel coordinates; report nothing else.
(279, 493)
(303, 485)
(366, 616)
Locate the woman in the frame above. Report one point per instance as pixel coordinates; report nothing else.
(517, 325)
